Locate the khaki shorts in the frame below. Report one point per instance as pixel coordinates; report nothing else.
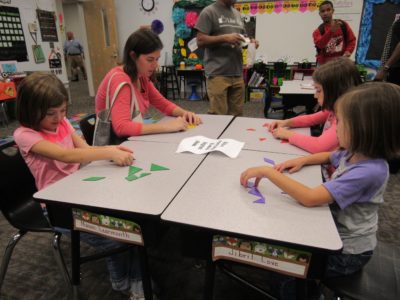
(226, 95)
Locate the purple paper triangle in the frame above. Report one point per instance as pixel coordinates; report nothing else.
(270, 161)
(254, 191)
(261, 200)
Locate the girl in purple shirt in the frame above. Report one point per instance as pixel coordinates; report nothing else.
(368, 120)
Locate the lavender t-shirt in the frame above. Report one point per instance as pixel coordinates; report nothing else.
(357, 189)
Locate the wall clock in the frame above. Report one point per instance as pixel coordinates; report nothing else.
(148, 6)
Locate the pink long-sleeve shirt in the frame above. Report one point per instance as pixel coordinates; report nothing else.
(121, 112)
(327, 141)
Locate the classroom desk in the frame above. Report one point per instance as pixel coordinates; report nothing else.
(212, 127)
(214, 200)
(294, 87)
(257, 137)
(294, 95)
(115, 195)
(224, 205)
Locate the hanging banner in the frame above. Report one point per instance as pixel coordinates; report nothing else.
(277, 6)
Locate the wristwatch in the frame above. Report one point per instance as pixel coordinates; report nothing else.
(386, 68)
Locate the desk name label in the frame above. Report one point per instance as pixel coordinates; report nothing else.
(110, 227)
(279, 259)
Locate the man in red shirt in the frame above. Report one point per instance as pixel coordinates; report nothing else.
(333, 37)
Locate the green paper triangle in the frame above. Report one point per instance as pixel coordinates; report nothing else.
(94, 178)
(134, 170)
(131, 177)
(144, 174)
(155, 167)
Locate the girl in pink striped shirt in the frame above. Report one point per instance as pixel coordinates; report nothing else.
(331, 80)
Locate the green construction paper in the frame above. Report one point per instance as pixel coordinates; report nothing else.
(155, 167)
(131, 177)
(134, 170)
(94, 178)
(144, 174)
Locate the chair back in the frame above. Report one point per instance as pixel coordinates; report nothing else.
(87, 125)
(17, 185)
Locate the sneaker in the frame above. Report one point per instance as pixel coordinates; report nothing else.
(137, 292)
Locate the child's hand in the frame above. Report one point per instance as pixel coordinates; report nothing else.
(292, 165)
(178, 124)
(257, 172)
(282, 133)
(122, 156)
(274, 125)
(191, 118)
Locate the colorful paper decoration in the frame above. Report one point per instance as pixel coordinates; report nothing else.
(246, 8)
(303, 5)
(181, 42)
(286, 6)
(183, 52)
(262, 7)
(254, 8)
(178, 15)
(191, 19)
(278, 7)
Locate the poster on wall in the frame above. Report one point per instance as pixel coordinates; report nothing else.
(47, 24)
(12, 40)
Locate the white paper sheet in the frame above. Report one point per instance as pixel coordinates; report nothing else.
(201, 144)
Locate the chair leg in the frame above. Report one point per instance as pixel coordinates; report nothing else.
(209, 280)
(60, 259)
(148, 291)
(7, 254)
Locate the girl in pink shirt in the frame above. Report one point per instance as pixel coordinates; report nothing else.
(140, 60)
(52, 150)
(331, 80)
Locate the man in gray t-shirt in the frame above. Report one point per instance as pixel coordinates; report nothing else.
(219, 31)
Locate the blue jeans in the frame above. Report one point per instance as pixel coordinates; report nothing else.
(123, 267)
(346, 264)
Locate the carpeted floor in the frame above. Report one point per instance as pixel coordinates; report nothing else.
(33, 274)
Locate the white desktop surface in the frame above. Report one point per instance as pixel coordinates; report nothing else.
(148, 195)
(213, 198)
(294, 87)
(212, 127)
(239, 130)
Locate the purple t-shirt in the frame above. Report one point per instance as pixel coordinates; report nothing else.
(357, 189)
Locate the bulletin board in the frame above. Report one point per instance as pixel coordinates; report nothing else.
(378, 17)
(47, 23)
(284, 28)
(12, 40)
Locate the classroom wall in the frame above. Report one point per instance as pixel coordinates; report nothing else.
(27, 10)
(288, 35)
(130, 17)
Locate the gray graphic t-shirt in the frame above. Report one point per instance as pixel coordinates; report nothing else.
(225, 60)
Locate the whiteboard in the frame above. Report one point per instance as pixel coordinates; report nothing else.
(288, 35)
